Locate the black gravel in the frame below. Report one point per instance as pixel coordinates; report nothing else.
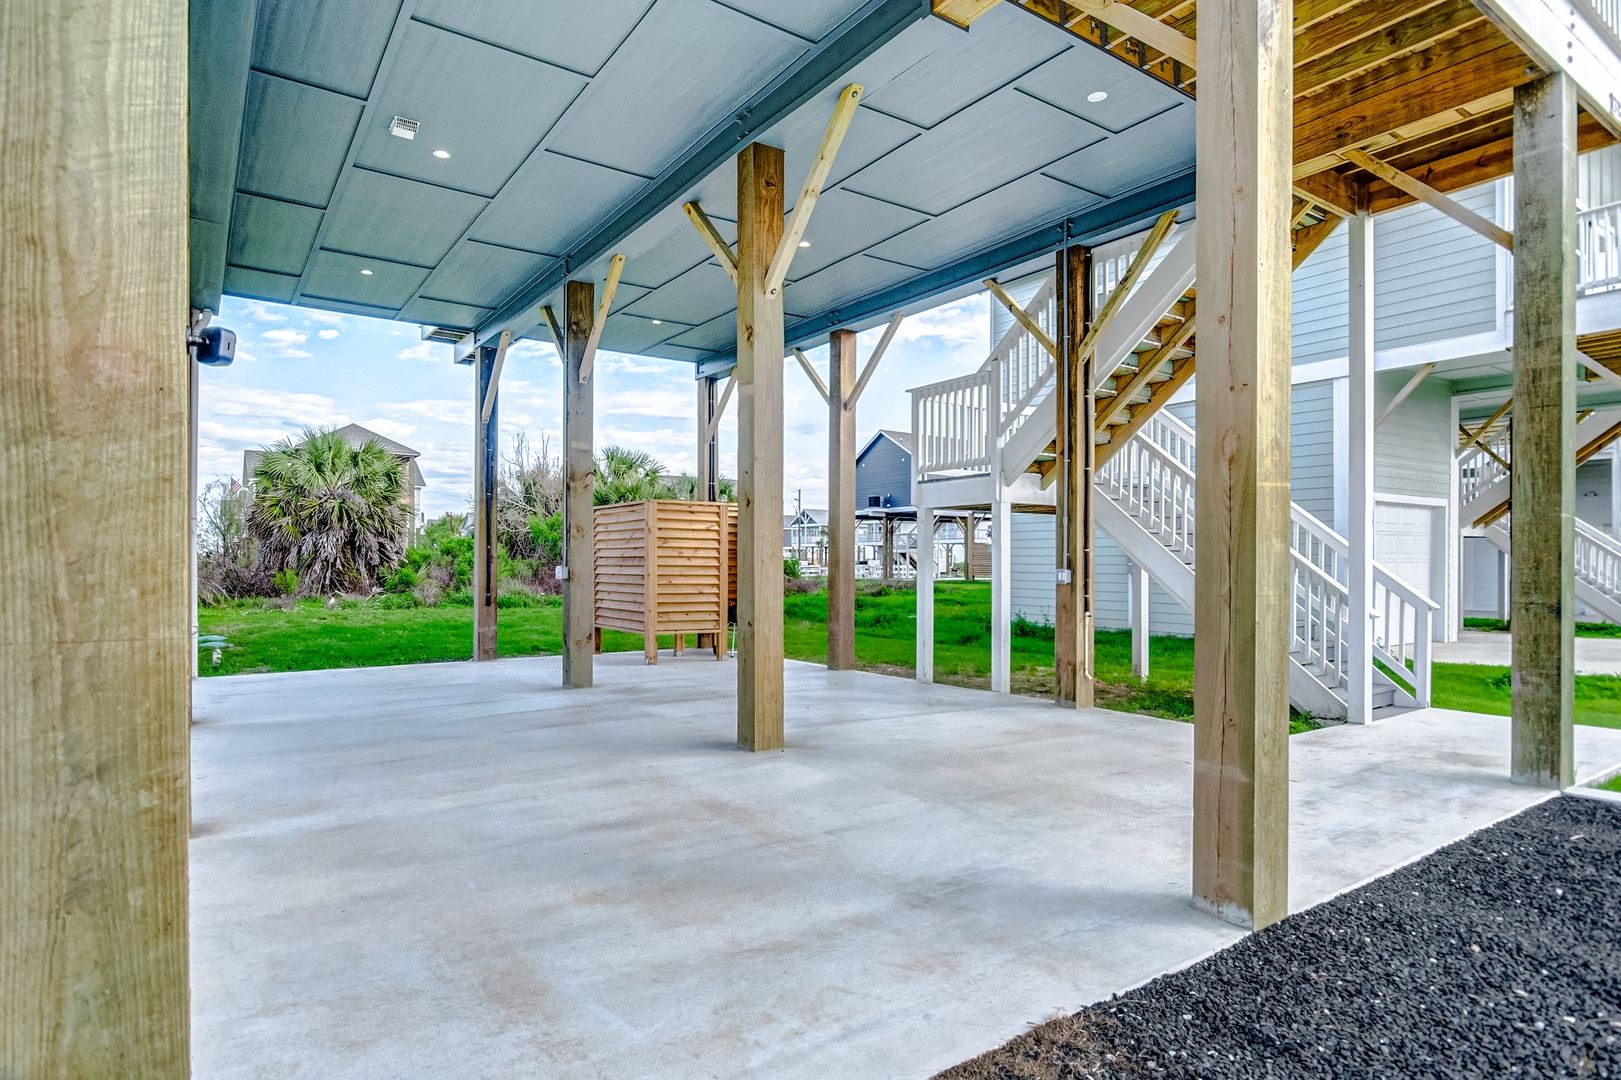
(1498, 956)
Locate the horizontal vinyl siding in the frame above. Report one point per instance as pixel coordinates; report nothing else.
(1319, 309)
(1311, 449)
(1034, 581)
(1021, 291)
(1412, 451)
(885, 471)
(1433, 278)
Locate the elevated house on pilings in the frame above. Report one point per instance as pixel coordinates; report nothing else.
(714, 186)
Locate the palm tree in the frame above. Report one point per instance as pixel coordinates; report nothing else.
(627, 476)
(328, 511)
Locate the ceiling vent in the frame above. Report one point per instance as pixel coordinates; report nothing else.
(404, 127)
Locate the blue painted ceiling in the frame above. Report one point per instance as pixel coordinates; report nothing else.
(558, 116)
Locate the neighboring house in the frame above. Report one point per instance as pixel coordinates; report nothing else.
(884, 473)
(356, 435)
(804, 537)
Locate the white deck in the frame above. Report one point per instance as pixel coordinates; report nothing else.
(462, 871)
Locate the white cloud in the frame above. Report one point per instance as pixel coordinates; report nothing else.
(444, 410)
(287, 406)
(330, 318)
(327, 335)
(243, 354)
(394, 429)
(285, 337)
(297, 354)
(257, 312)
(424, 350)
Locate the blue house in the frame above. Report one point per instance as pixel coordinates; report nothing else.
(884, 473)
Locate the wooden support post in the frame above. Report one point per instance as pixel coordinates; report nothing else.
(708, 472)
(95, 649)
(1359, 471)
(841, 501)
(1001, 595)
(760, 350)
(486, 463)
(923, 556)
(970, 528)
(579, 466)
(1077, 415)
(1137, 582)
(1542, 484)
(888, 556)
(1241, 616)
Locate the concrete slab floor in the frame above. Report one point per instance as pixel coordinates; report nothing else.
(460, 870)
(1594, 656)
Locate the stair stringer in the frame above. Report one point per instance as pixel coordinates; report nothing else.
(1306, 692)
(1158, 291)
(1493, 495)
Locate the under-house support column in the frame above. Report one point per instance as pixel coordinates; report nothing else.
(760, 349)
(95, 646)
(1359, 471)
(1542, 482)
(579, 466)
(708, 472)
(923, 556)
(1001, 596)
(486, 446)
(1077, 458)
(1241, 611)
(841, 501)
(1137, 584)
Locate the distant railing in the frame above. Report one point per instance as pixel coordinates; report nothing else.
(1153, 483)
(1482, 465)
(1598, 560)
(1607, 12)
(1027, 368)
(1598, 241)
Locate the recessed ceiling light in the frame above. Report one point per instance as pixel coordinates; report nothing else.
(1097, 95)
(367, 273)
(403, 127)
(658, 322)
(804, 243)
(441, 154)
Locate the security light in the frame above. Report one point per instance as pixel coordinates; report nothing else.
(403, 127)
(804, 243)
(367, 273)
(441, 154)
(1097, 95)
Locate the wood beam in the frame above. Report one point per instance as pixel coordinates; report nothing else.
(760, 349)
(1099, 321)
(711, 236)
(841, 500)
(1404, 393)
(1423, 192)
(549, 317)
(1473, 437)
(579, 483)
(1242, 607)
(844, 111)
(1075, 672)
(1413, 30)
(1145, 28)
(1331, 191)
(1308, 238)
(878, 351)
(725, 397)
(486, 473)
(495, 376)
(1542, 600)
(812, 374)
(960, 13)
(1023, 317)
(95, 612)
(615, 268)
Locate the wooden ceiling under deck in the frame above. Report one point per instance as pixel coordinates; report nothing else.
(1425, 86)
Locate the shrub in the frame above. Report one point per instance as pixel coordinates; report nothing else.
(429, 591)
(395, 601)
(790, 568)
(1024, 628)
(801, 586)
(286, 581)
(403, 580)
(547, 533)
(459, 598)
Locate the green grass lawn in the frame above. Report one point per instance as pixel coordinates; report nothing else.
(308, 636)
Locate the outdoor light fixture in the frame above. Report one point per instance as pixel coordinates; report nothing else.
(403, 127)
(1097, 95)
(658, 322)
(804, 243)
(441, 154)
(366, 273)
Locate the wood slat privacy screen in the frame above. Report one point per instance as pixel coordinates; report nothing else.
(665, 567)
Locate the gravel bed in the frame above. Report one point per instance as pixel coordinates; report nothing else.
(1497, 956)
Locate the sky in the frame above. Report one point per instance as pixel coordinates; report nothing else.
(300, 367)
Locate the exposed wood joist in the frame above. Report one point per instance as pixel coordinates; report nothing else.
(1424, 193)
(960, 13)
(615, 268)
(1473, 437)
(1322, 62)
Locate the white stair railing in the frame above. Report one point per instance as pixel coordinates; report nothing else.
(1028, 370)
(1151, 478)
(1598, 245)
(1598, 560)
(1480, 468)
(953, 427)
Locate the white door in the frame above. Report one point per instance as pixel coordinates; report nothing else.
(1403, 536)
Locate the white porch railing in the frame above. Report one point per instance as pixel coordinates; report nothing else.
(1598, 243)
(1152, 479)
(1598, 560)
(1482, 466)
(952, 425)
(1026, 367)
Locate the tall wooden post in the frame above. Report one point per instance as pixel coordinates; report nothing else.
(1542, 483)
(579, 465)
(1077, 456)
(486, 444)
(708, 461)
(1241, 616)
(760, 349)
(95, 648)
(841, 502)
(1359, 471)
